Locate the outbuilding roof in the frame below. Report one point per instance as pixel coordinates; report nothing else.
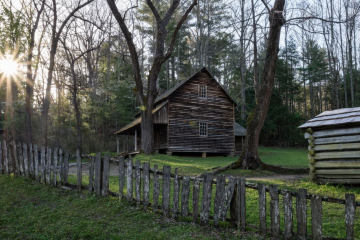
(240, 131)
(343, 116)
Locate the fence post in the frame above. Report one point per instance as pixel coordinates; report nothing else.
(185, 192)
(301, 214)
(105, 176)
(79, 170)
(274, 211)
(36, 163)
(42, 167)
(176, 195)
(26, 160)
(196, 190)
(48, 164)
(66, 166)
(20, 157)
(97, 183)
(121, 177)
(31, 160)
(129, 180)
(206, 199)
(288, 215)
(219, 197)
(15, 161)
(55, 165)
(262, 207)
(166, 191)
(137, 184)
(350, 210)
(316, 217)
(156, 190)
(146, 184)
(227, 198)
(1, 158)
(91, 174)
(61, 166)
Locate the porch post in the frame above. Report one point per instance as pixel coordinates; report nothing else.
(135, 139)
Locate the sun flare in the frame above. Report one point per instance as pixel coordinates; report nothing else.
(8, 66)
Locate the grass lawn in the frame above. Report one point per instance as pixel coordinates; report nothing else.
(290, 157)
(29, 210)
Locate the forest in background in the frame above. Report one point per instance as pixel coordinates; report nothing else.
(91, 87)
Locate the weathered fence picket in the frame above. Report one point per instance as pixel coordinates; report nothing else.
(66, 166)
(129, 180)
(31, 160)
(1, 158)
(227, 197)
(166, 191)
(350, 207)
(176, 195)
(97, 181)
(242, 204)
(137, 183)
(156, 188)
(262, 207)
(185, 193)
(91, 174)
(316, 217)
(274, 211)
(206, 199)
(219, 198)
(36, 163)
(146, 184)
(26, 160)
(48, 165)
(61, 166)
(121, 177)
(288, 215)
(42, 167)
(79, 171)
(105, 176)
(55, 165)
(301, 214)
(20, 157)
(196, 192)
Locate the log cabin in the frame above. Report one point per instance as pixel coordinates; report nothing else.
(195, 116)
(334, 146)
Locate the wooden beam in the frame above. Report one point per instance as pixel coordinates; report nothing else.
(337, 155)
(334, 132)
(343, 139)
(338, 171)
(341, 146)
(338, 164)
(135, 139)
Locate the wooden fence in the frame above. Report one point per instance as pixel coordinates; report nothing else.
(229, 201)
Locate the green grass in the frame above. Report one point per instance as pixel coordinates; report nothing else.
(29, 210)
(286, 157)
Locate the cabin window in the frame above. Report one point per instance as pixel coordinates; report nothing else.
(202, 91)
(203, 129)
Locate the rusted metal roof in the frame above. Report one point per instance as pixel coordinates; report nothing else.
(137, 121)
(240, 131)
(343, 116)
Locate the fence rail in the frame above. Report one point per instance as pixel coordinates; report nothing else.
(51, 166)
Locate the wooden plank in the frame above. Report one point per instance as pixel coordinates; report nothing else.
(129, 180)
(5, 154)
(242, 204)
(262, 208)
(334, 132)
(43, 164)
(288, 216)
(235, 206)
(195, 200)
(48, 165)
(166, 191)
(78, 170)
(20, 157)
(91, 174)
(228, 194)
(26, 160)
(338, 171)
(219, 198)
(121, 177)
(15, 162)
(66, 166)
(337, 147)
(350, 212)
(301, 209)
(61, 166)
(55, 165)
(337, 155)
(36, 163)
(185, 192)
(146, 184)
(274, 211)
(97, 182)
(156, 188)
(105, 176)
(176, 195)
(206, 199)
(342, 139)
(316, 217)
(31, 160)
(137, 183)
(338, 164)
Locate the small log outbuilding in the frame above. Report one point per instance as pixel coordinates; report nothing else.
(196, 116)
(334, 146)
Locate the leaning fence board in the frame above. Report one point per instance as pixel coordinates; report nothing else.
(219, 197)
(301, 214)
(274, 211)
(146, 184)
(350, 211)
(316, 217)
(105, 176)
(176, 195)
(185, 192)
(156, 188)
(91, 174)
(129, 180)
(166, 191)
(227, 197)
(66, 166)
(48, 165)
(288, 215)
(43, 162)
(55, 172)
(262, 207)
(206, 199)
(343, 139)
(26, 160)
(337, 155)
(137, 183)
(242, 204)
(79, 170)
(196, 191)
(121, 177)
(97, 182)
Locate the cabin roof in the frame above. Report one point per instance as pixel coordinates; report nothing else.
(343, 116)
(137, 120)
(173, 89)
(240, 131)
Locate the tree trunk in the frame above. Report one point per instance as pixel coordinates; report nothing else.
(249, 158)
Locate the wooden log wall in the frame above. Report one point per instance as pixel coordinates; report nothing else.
(334, 155)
